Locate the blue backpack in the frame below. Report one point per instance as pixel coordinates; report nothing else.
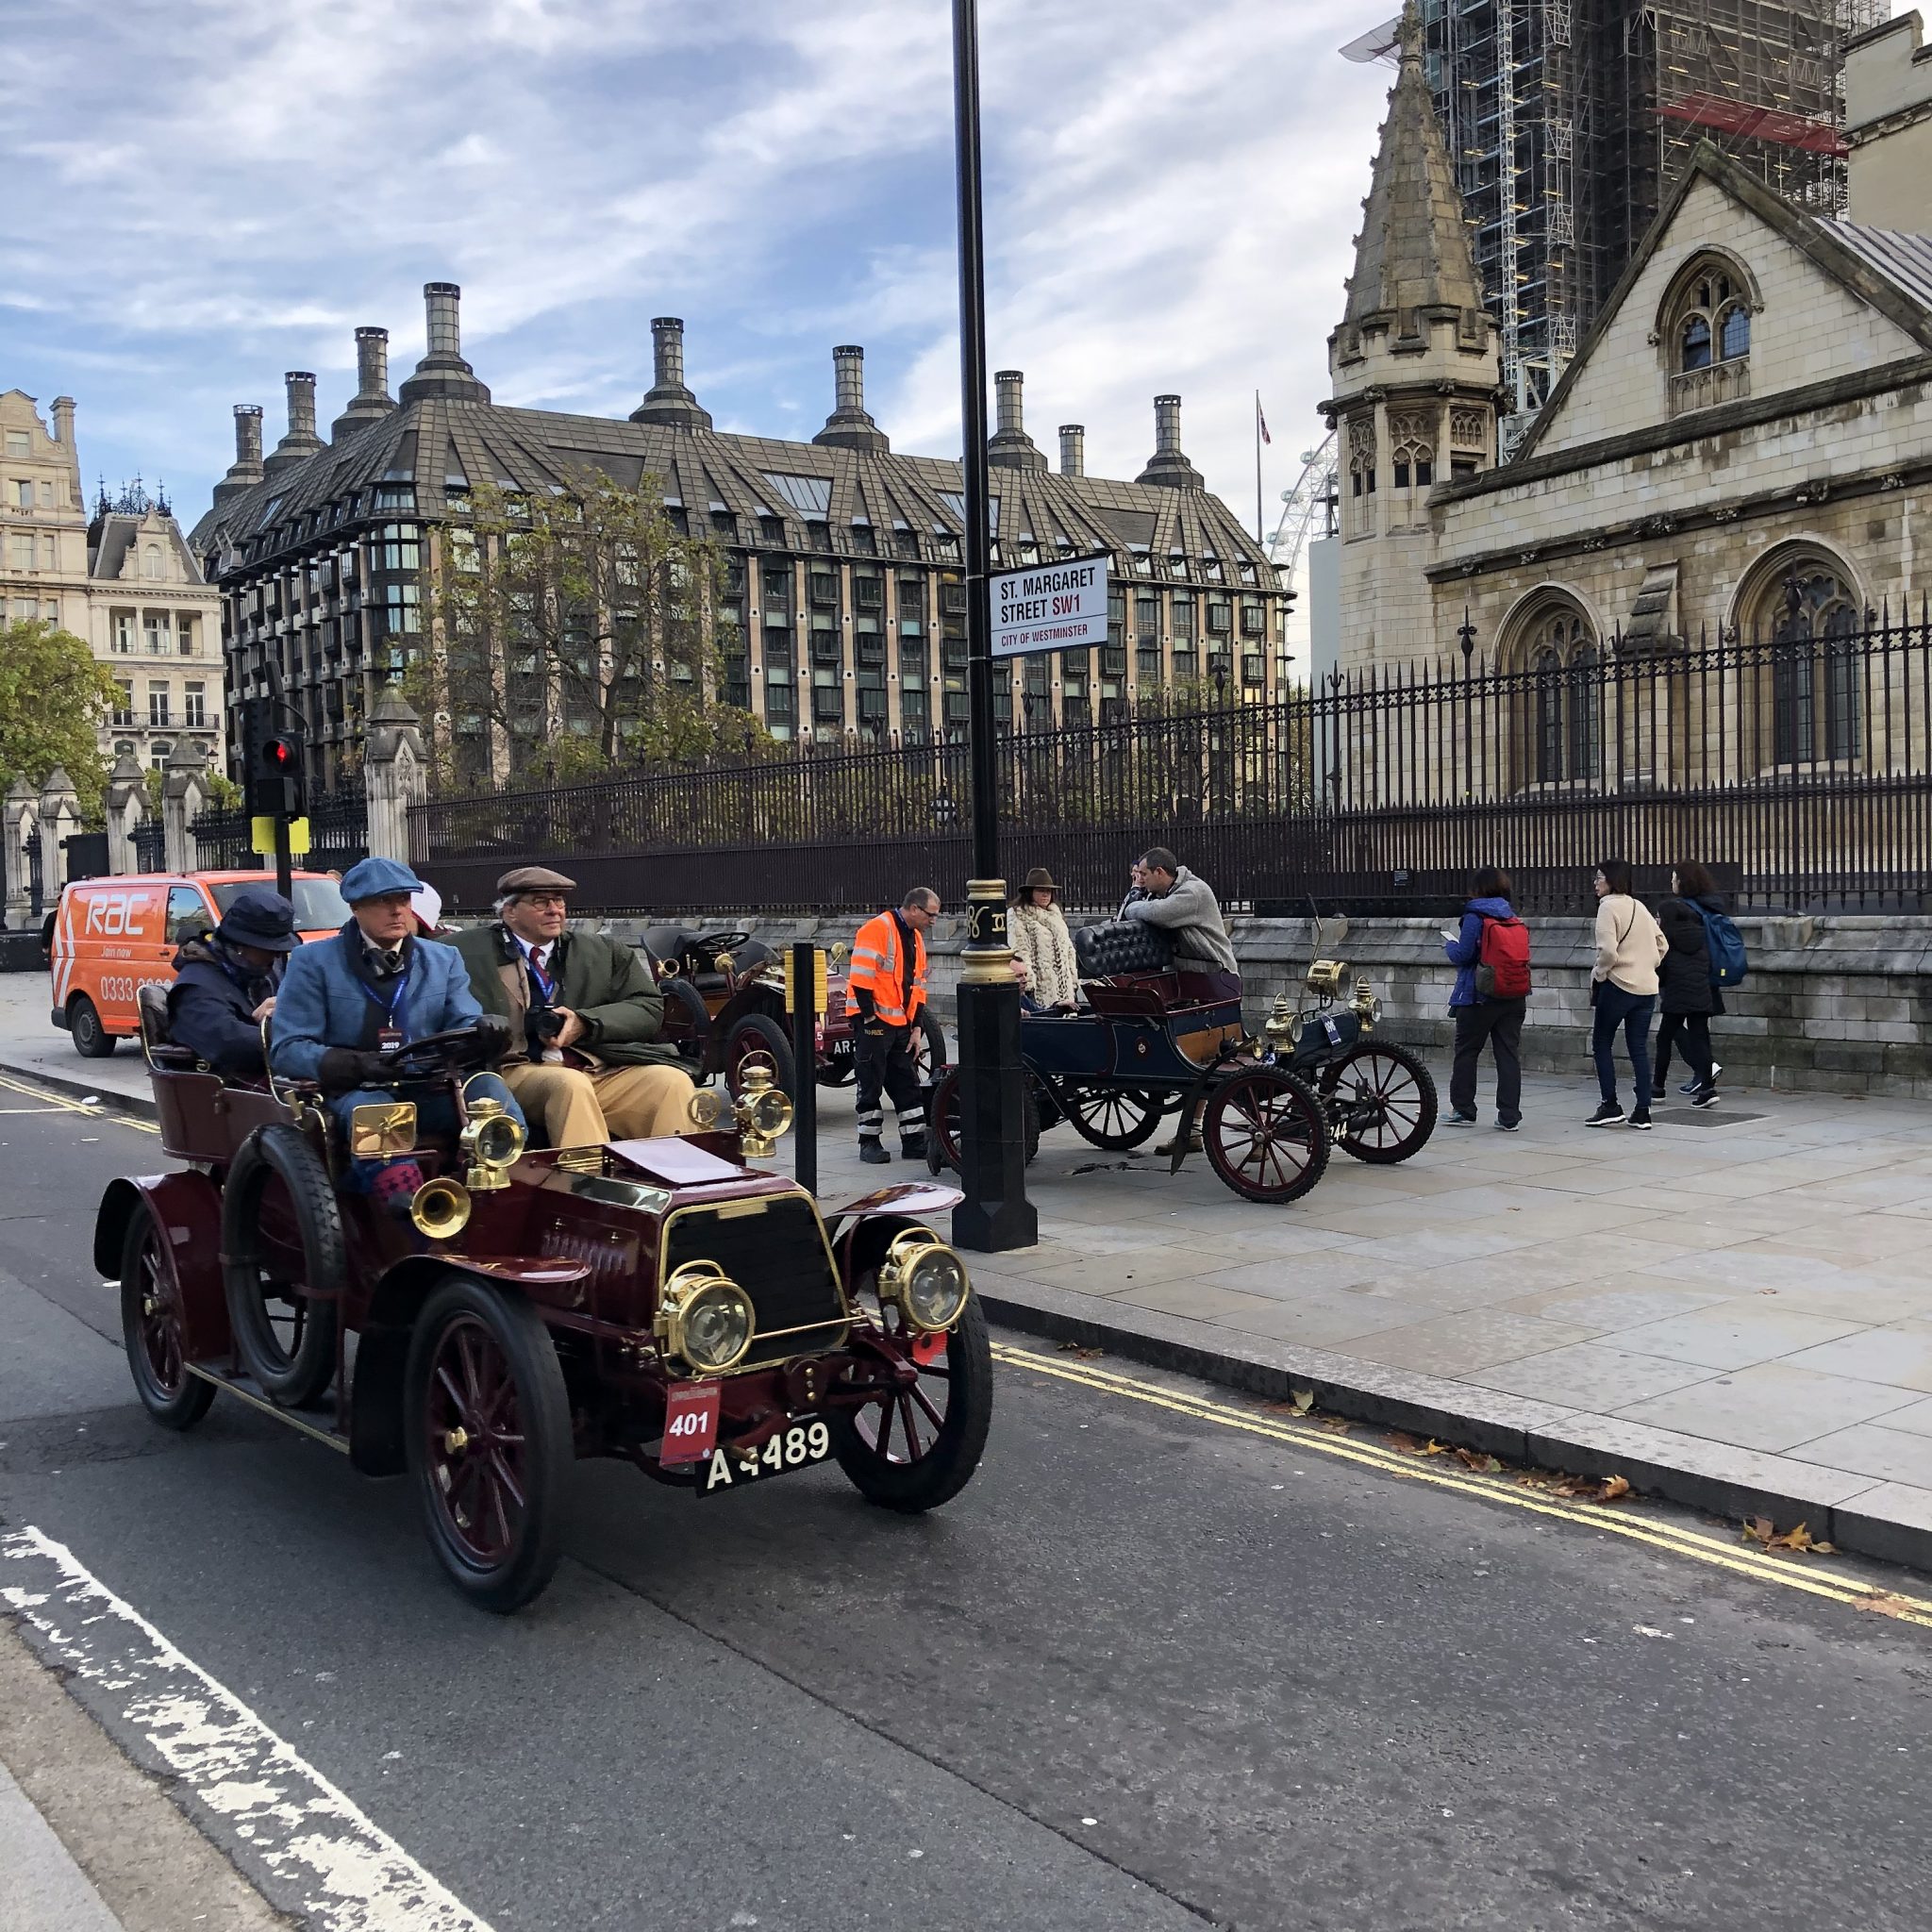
(1725, 945)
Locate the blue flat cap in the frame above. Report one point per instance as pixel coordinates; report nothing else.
(372, 877)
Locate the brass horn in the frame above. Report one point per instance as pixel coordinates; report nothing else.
(440, 1208)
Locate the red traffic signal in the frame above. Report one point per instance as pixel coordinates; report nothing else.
(278, 753)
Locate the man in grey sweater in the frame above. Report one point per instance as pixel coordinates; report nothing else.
(1185, 908)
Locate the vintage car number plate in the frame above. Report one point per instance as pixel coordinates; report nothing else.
(797, 1447)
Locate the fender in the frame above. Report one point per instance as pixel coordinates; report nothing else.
(188, 1207)
(906, 1197)
(862, 1244)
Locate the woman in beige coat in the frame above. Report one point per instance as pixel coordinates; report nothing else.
(1037, 930)
(1622, 989)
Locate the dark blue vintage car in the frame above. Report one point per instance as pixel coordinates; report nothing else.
(1154, 1036)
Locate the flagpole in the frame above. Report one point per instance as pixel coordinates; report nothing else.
(1260, 536)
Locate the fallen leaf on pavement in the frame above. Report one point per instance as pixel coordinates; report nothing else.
(1407, 1444)
(1615, 1487)
(1586, 1489)
(1475, 1458)
(1301, 1400)
(1076, 1348)
(1432, 1447)
(1885, 1602)
(1759, 1529)
(1336, 1424)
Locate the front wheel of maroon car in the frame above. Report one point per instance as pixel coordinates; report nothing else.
(489, 1436)
(913, 1449)
(151, 1324)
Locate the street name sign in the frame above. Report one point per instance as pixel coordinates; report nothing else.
(1050, 607)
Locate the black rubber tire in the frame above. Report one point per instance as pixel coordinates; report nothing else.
(542, 1417)
(682, 994)
(179, 1400)
(1424, 1102)
(947, 1465)
(292, 1378)
(92, 1040)
(929, 1050)
(1280, 1092)
(943, 1123)
(758, 1033)
(838, 1069)
(1151, 1107)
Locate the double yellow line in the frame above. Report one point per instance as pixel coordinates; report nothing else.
(53, 1100)
(1307, 1437)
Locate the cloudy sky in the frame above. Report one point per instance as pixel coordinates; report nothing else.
(202, 193)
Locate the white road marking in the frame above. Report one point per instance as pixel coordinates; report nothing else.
(349, 1874)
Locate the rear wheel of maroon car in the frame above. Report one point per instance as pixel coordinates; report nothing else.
(928, 1047)
(913, 1449)
(151, 1324)
(756, 1038)
(487, 1429)
(282, 1266)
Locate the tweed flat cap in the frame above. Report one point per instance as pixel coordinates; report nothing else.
(533, 878)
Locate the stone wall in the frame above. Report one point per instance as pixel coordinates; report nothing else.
(1836, 1004)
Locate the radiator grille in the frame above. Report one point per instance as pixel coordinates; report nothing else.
(779, 1258)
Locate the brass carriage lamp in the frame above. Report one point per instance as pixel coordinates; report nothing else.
(492, 1142)
(1279, 1031)
(1367, 1008)
(761, 1114)
(1325, 977)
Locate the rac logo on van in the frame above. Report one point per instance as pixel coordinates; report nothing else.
(111, 914)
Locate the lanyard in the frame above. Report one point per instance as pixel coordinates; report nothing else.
(392, 1005)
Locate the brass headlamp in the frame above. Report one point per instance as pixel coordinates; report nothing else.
(924, 1280)
(1325, 977)
(760, 1113)
(492, 1142)
(704, 1318)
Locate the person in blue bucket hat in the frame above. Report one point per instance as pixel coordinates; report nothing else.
(225, 981)
(379, 984)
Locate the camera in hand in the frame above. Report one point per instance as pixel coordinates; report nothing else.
(541, 1026)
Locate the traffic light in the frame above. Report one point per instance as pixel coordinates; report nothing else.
(275, 776)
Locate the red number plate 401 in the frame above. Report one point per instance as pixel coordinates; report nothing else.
(691, 1422)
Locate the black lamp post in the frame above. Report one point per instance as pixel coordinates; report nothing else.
(995, 1213)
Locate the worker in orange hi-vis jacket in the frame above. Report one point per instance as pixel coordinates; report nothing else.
(885, 989)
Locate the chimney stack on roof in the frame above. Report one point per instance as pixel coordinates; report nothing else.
(63, 423)
(1168, 467)
(668, 401)
(442, 371)
(247, 470)
(1009, 447)
(301, 442)
(1072, 449)
(848, 426)
(372, 400)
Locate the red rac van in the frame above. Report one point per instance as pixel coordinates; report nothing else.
(113, 936)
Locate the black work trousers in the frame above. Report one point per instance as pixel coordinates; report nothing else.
(1498, 1023)
(885, 1067)
(1689, 1033)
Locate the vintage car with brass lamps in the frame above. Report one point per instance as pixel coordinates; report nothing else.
(668, 1301)
(1154, 1036)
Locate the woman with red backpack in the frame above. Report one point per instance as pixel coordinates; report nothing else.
(1491, 954)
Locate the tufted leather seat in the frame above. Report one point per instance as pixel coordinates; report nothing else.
(1121, 945)
(151, 1003)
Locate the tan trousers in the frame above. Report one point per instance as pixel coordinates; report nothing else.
(576, 1108)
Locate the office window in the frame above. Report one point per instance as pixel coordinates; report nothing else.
(915, 714)
(157, 628)
(184, 630)
(398, 548)
(159, 753)
(22, 494)
(151, 560)
(124, 632)
(20, 552)
(17, 443)
(194, 703)
(158, 703)
(124, 704)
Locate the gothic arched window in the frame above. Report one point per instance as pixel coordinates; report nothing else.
(1412, 449)
(1361, 474)
(1705, 329)
(1565, 694)
(1810, 612)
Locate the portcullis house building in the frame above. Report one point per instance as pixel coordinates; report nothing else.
(844, 601)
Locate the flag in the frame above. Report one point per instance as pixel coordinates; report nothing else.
(1261, 421)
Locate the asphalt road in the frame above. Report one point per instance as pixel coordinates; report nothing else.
(1148, 1672)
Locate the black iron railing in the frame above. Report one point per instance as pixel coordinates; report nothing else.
(1799, 765)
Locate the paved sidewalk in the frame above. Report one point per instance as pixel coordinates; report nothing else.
(1735, 1309)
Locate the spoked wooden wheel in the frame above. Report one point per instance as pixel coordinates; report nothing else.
(943, 1133)
(151, 1324)
(488, 1440)
(1112, 1117)
(1381, 1102)
(757, 1039)
(283, 1264)
(1265, 1135)
(915, 1448)
(928, 1046)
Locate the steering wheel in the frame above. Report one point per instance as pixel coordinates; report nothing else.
(715, 943)
(451, 1052)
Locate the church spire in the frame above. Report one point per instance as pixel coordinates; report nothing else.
(1413, 252)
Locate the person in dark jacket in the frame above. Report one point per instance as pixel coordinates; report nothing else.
(1483, 1018)
(1687, 994)
(225, 981)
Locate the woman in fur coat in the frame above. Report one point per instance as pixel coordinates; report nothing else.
(1037, 930)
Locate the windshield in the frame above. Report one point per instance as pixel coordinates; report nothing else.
(319, 903)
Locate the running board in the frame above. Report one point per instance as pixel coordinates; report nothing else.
(328, 1438)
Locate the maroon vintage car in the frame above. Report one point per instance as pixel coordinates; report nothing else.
(661, 1301)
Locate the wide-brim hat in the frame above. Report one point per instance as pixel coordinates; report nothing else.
(261, 919)
(1039, 879)
(533, 878)
(374, 878)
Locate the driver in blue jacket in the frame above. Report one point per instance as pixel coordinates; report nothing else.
(376, 986)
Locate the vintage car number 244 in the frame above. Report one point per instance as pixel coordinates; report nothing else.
(794, 1448)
